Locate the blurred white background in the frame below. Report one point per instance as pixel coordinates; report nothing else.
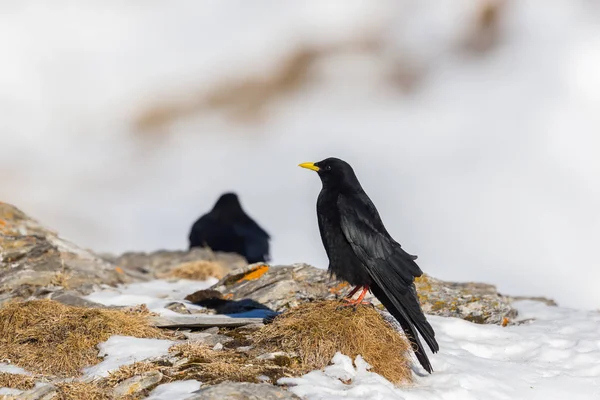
(472, 124)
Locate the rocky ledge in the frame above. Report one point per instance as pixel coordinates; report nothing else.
(35, 263)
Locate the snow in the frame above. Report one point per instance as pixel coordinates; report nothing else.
(555, 356)
(9, 391)
(125, 350)
(156, 294)
(175, 390)
(12, 369)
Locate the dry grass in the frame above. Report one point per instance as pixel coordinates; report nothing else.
(81, 390)
(198, 270)
(47, 337)
(316, 331)
(16, 381)
(61, 279)
(212, 367)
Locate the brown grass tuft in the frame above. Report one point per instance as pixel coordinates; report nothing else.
(213, 367)
(81, 390)
(198, 270)
(316, 331)
(48, 337)
(16, 381)
(61, 278)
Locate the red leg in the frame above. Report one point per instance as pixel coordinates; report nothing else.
(359, 300)
(352, 292)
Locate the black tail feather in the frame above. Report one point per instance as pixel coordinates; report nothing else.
(409, 329)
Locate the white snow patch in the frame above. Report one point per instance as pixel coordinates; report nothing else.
(156, 294)
(555, 356)
(175, 390)
(125, 350)
(10, 392)
(12, 369)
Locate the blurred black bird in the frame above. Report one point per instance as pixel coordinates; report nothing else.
(227, 228)
(362, 252)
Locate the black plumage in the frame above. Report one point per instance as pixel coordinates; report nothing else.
(228, 228)
(362, 252)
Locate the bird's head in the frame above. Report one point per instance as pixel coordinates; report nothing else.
(227, 201)
(333, 172)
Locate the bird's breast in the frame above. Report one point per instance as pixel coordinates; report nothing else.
(343, 262)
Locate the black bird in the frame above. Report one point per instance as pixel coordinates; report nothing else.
(362, 252)
(227, 228)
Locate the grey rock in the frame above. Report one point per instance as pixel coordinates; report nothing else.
(177, 307)
(283, 287)
(545, 300)
(209, 339)
(475, 302)
(279, 288)
(243, 391)
(137, 383)
(71, 298)
(41, 392)
(34, 257)
(151, 265)
(201, 321)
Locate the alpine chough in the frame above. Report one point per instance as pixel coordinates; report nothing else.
(227, 228)
(362, 252)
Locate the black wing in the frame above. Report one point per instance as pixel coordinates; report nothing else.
(256, 240)
(392, 269)
(197, 236)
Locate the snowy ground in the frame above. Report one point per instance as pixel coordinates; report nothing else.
(156, 294)
(554, 354)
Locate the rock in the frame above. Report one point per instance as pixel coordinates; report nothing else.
(206, 297)
(71, 298)
(475, 302)
(545, 300)
(278, 288)
(283, 287)
(161, 262)
(215, 300)
(245, 391)
(177, 307)
(207, 338)
(33, 257)
(137, 384)
(201, 321)
(42, 392)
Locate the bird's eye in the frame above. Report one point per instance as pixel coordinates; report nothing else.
(328, 168)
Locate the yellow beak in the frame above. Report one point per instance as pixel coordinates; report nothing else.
(309, 165)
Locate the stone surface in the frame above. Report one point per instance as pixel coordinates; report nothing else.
(243, 391)
(283, 287)
(201, 321)
(207, 338)
(177, 307)
(475, 302)
(214, 300)
(43, 392)
(279, 288)
(137, 384)
(158, 263)
(33, 257)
